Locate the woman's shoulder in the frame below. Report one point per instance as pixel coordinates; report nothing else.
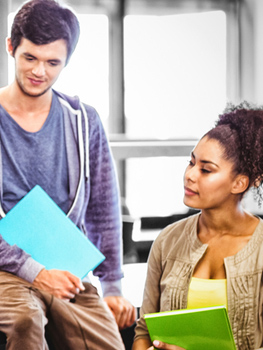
(178, 229)
(176, 239)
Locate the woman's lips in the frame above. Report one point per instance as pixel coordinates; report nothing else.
(189, 192)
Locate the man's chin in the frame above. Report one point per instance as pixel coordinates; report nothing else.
(37, 94)
(31, 93)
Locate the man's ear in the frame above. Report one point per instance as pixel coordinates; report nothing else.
(240, 184)
(9, 47)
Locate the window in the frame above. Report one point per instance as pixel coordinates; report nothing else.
(87, 72)
(176, 55)
(175, 73)
(175, 87)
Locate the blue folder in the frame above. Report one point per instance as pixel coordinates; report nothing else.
(37, 225)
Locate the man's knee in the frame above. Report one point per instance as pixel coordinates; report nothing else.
(27, 323)
(27, 331)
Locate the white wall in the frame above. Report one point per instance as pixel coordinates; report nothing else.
(251, 50)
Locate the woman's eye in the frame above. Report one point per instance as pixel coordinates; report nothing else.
(205, 171)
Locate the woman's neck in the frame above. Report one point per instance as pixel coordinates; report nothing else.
(233, 222)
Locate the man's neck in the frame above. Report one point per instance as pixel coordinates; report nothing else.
(15, 98)
(28, 111)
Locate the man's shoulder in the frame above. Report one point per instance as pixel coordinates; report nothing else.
(89, 114)
(3, 96)
(74, 102)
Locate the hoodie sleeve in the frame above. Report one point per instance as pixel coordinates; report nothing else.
(103, 217)
(18, 262)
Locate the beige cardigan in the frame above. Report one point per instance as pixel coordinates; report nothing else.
(172, 260)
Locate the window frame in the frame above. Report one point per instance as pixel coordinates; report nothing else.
(122, 147)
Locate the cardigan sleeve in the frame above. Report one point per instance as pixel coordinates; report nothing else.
(16, 261)
(152, 293)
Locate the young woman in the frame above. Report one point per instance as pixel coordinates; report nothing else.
(214, 257)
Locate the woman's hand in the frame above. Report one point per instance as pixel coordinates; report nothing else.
(144, 344)
(163, 346)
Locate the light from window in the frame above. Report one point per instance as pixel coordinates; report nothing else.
(175, 73)
(155, 186)
(175, 87)
(87, 72)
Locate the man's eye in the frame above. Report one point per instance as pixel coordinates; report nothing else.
(53, 63)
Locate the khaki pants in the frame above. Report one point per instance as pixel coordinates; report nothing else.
(28, 316)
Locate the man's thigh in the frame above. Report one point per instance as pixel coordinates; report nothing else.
(22, 313)
(17, 297)
(84, 323)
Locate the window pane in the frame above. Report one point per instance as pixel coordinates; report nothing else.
(87, 72)
(175, 87)
(155, 186)
(175, 73)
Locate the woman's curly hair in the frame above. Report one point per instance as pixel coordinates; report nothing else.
(240, 131)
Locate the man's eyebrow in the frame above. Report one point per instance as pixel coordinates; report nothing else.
(55, 60)
(205, 161)
(27, 54)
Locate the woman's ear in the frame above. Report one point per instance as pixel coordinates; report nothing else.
(9, 47)
(240, 184)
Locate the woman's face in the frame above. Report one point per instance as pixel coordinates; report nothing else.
(209, 178)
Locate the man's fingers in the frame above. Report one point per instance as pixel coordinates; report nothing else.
(128, 317)
(77, 283)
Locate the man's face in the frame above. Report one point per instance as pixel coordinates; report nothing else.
(37, 67)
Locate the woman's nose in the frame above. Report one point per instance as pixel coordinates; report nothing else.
(190, 173)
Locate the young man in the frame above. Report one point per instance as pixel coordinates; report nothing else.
(55, 141)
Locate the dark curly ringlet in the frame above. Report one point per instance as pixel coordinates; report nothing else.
(239, 130)
(43, 22)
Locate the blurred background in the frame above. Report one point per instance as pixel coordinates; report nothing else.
(159, 72)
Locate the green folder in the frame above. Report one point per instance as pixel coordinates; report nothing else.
(37, 225)
(193, 329)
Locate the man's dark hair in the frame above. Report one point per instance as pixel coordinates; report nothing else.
(45, 21)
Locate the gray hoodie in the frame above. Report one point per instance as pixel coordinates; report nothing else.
(93, 194)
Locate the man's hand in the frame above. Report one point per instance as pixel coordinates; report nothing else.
(163, 346)
(123, 311)
(61, 284)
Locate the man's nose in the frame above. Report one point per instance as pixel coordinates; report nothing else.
(39, 69)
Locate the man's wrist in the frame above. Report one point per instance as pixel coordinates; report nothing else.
(110, 288)
(30, 269)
